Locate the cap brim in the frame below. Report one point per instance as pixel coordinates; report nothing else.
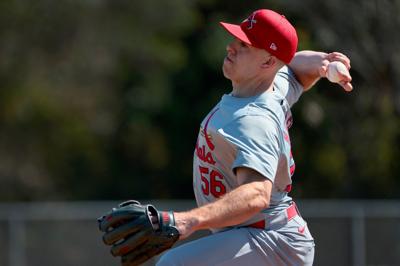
(236, 31)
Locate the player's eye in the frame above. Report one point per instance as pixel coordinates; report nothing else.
(243, 44)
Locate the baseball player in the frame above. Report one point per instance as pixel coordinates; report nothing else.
(243, 165)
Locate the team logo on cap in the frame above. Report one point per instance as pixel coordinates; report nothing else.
(251, 21)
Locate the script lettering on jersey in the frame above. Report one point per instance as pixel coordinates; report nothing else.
(203, 155)
(211, 179)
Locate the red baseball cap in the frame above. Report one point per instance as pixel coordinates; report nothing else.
(268, 30)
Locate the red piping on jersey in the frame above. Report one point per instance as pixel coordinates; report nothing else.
(292, 169)
(208, 140)
(286, 137)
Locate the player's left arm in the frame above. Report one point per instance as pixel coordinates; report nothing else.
(309, 66)
(257, 138)
(235, 207)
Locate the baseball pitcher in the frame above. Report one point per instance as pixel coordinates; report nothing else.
(243, 164)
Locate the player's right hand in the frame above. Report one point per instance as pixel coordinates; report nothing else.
(345, 82)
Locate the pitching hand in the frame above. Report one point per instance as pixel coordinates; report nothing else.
(345, 77)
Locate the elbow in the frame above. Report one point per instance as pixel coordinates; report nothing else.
(264, 203)
(258, 204)
(261, 198)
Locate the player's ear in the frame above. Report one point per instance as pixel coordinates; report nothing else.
(269, 62)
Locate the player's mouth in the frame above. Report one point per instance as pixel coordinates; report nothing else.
(228, 59)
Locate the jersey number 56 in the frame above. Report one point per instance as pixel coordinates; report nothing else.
(211, 182)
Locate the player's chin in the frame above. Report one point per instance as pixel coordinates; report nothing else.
(227, 70)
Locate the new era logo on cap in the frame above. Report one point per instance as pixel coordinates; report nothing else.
(268, 30)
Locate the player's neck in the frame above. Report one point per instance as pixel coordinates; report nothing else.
(251, 88)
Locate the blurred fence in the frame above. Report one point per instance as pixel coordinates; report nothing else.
(65, 233)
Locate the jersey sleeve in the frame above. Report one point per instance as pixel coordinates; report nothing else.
(286, 82)
(257, 141)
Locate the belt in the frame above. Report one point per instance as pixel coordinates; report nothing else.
(290, 212)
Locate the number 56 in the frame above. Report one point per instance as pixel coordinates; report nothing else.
(212, 185)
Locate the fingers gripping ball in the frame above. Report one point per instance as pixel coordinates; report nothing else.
(138, 232)
(335, 71)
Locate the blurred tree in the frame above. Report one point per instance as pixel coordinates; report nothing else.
(103, 99)
(363, 126)
(83, 83)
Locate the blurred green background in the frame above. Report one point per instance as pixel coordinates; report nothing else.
(102, 99)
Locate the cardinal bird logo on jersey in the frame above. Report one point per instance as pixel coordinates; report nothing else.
(206, 135)
(201, 152)
(203, 134)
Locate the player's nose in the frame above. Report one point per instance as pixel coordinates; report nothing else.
(230, 47)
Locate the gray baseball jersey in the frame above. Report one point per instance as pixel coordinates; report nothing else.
(249, 132)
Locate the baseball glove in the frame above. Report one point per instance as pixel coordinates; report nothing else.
(138, 232)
